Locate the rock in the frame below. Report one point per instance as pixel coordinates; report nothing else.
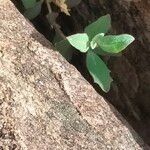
(45, 103)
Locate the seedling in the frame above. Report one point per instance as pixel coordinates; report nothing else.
(94, 42)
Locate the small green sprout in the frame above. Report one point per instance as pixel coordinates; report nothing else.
(94, 42)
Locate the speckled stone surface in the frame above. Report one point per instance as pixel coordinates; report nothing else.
(45, 103)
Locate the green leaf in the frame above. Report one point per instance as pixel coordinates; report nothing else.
(65, 49)
(28, 3)
(99, 51)
(102, 25)
(93, 43)
(99, 71)
(33, 12)
(114, 43)
(79, 41)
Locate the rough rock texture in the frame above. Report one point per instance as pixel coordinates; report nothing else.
(45, 104)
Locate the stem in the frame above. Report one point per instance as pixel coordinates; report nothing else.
(48, 6)
(54, 24)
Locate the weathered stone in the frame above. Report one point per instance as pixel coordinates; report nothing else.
(45, 104)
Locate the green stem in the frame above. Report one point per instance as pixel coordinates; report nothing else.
(54, 24)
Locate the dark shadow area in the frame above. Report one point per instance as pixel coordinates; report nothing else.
(128, 94)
